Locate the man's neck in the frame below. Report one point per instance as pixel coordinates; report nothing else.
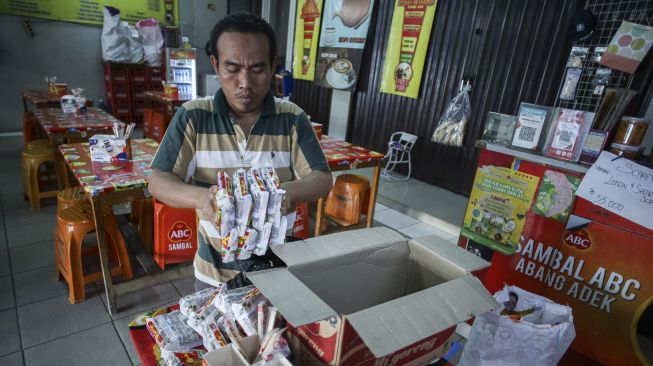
(246, 121)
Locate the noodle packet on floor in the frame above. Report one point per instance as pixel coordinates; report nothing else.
(260, 197)
(193, 303)
(245, 311)
(224, 205)
(193, 357)
(223, 301)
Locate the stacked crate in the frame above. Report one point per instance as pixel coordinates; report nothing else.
(126, 85)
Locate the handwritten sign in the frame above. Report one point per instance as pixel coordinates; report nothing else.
(620, 186)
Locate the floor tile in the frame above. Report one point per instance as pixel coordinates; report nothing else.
(28, 257)
(9, 330)
(23, 216)
(143, 300)
(4, 263)
(14, 359)
(122, 327)
(185, 286)
(394, 219)
(6, 293)
(38, 284)
(54, 318)
(81, 349)
(421, 229)
(379, 207)
(30, 233)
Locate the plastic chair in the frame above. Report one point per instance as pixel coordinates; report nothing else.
(73, 224)
(399, 147)
(35, 175)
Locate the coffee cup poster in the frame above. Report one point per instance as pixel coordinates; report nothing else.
(342, 40)
(409, 38)
(307, 32)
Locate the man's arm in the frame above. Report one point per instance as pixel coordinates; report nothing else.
(308, 189)
(169, 189)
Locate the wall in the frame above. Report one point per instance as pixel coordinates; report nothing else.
(73, 53)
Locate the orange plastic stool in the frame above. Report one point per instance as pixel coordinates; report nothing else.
(347, 198)
(147, 122)
(143, 217)
(37, 143)
(36, 177)
(73, 224)
(71, 197)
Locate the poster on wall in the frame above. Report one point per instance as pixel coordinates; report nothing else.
(91, 12)
(342, 39)
(409, 39)
(307, 32)
(497, 208)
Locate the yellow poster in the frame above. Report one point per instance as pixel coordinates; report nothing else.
(92, 11)
(307, 34)
(497, 208)
(407, 45)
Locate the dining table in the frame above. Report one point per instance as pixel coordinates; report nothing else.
(108, 184)
(62, 128)
(35, 99)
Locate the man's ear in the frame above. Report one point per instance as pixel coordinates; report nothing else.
(214, 64)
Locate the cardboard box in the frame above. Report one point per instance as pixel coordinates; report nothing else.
(228, 356)
(373, 297)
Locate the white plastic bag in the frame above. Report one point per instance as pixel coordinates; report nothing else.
(135, 45)
(538, 332)
(115, 45)
(450, 130)
(152, 40)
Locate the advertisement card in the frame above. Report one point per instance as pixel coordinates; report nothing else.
(497, 207)
(499, 128)
(568, 133)
(531, 121)
(556, 195)
(307, 31)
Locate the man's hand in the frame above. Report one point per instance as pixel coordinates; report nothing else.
(308, 189)
(207, 203)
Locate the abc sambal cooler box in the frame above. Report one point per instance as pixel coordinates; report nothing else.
(373, 297)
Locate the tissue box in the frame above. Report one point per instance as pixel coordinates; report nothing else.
(108, 149)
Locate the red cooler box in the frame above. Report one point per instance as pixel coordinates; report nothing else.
(175, 234)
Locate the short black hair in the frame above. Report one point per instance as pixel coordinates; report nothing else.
(242, 23)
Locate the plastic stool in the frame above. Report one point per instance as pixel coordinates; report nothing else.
(37, 143)
(30, 127)
(33, 178)
(71, 197)
(347, 198)
(73, 224)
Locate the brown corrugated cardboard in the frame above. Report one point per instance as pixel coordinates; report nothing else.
(391, 291)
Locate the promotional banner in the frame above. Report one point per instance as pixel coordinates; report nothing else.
(409, 39)
(91, 11)
(307, 29)
(342, 39)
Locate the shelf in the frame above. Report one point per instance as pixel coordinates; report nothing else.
(532, 157)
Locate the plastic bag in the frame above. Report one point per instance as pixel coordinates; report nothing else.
(152, 41)
(450, 130)
(135, 45)
(530, 330)
(115, 44)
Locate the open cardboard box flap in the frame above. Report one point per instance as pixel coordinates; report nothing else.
(391, 326)
(423, 286)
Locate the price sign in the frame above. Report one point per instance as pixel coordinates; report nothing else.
(620, 186)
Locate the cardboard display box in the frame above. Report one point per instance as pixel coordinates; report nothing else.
(373, 297)
(228, 356)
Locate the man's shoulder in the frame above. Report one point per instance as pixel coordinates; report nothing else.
(287, 107)
(205, 103)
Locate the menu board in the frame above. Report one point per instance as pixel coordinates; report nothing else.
(91, 11)
(409, 38)
(620, 186)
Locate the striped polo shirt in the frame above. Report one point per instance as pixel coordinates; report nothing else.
(202, 140)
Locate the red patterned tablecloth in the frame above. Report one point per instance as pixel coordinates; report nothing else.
(39, 98)
(147, 349)
(54, 120)
(343, 155)
(100, 178)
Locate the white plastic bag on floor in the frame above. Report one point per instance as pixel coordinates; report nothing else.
(536, 331)
(152, 40)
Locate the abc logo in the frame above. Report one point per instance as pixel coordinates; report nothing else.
(179, 231)
(578, 238)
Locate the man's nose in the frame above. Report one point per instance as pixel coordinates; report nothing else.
(245, 79)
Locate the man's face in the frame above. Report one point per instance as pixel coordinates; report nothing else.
(244, 70)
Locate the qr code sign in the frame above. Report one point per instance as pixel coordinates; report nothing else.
(527, 133)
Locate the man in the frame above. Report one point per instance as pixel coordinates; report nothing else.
(241, 126)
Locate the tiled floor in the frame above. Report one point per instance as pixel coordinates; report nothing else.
(38, 324)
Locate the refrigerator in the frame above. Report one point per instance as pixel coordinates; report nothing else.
(182, 71)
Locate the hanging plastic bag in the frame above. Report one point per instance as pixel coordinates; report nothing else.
(451, 128)
(528, 330)
(135, 45)
(152, 41)
(115, 43)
